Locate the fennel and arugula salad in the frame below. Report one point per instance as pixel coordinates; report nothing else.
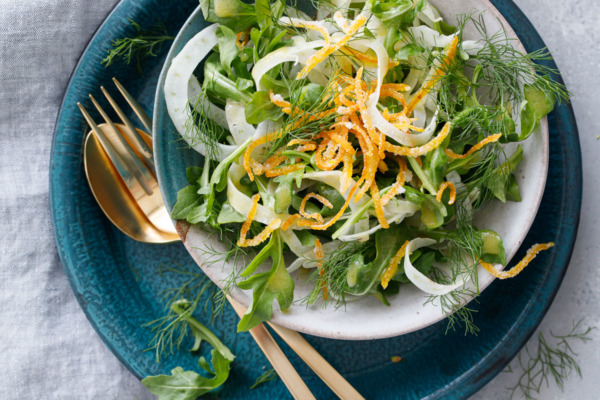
(357, 144)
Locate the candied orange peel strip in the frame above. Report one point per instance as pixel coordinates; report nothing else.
(262, 236)
(437, 75)
(421, 150)
(284, 170)
(378, 206)
(392, 267)
(253, 145)
(320, 254)
(328, 49)
(316, 216)
(443, 187)
(400, 180)
(477, 147)
(290, 221)
(313, 25)
(326, 225)
(514, 271)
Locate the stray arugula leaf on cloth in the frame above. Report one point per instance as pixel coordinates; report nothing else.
(189, 385)
(144, 43)
(171, 330)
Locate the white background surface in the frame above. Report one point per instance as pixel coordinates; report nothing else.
(49, 350)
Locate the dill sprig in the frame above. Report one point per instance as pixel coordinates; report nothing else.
(171, 330)
(335, 270)
(202, 129)
(549, 362)
(144, 43)
(306, 124)
(491, 80)
(231, 253)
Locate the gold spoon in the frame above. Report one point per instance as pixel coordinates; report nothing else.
(112, 194)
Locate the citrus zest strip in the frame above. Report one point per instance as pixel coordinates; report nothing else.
(392, 267)
(286, 169)
(262, 236)
(289, 221)
(421, 150)
(378, 206)
(400, 180)
(316, 216)
(320, 258)
(437, 75)
(313, 25)
(478, 146)
(531, 253)
(328, 49)
(324, 226)
(443, 187)
(253, 145)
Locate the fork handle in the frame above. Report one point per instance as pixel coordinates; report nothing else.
(277, 358)
(336, 382)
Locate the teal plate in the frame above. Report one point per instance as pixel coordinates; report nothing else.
(116, 283)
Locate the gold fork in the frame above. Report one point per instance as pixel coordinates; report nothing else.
(129, 153)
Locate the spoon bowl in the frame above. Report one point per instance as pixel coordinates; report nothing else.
(112, 194)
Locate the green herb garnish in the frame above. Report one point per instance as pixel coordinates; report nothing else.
(144, 43)
(549, 362)
(267, 376)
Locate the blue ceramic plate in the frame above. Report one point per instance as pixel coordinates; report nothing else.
(116, 282)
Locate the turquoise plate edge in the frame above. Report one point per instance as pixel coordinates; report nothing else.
(456, 379)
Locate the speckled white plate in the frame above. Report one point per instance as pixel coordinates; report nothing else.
(368, 318)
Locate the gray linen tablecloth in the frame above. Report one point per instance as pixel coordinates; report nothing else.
(48, 350)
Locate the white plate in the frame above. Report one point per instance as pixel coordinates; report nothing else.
(368, 318)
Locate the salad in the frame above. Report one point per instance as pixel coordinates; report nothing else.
(356, 144)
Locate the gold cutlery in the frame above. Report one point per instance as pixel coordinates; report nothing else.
(120, 171)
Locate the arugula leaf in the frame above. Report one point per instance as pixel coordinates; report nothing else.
(262, 108)
(500, 180)
(433, 212)
(227, 47)
(233, 14)
(538, 103)
(187, 200)
(196, 203)
(409, 50)
(268, 286)
(218, 83)
(387, 244)
(188, 385)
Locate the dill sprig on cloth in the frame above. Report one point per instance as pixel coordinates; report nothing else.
(551, 361)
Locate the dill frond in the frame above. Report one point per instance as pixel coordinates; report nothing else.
(453, 304)
(144, 43)
(171, 330)
(202, 129)
(549, 362)
(301, 125)
(335, 269)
